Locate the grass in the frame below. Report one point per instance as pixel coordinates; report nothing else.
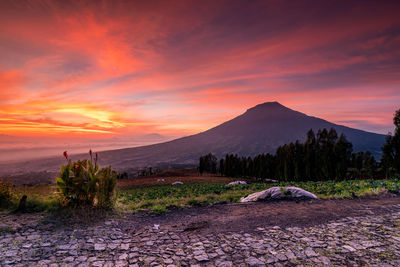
(159, 198)
(40, 198)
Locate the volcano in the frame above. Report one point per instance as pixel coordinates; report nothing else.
(260, 129)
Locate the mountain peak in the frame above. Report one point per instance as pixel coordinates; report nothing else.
(268, 106)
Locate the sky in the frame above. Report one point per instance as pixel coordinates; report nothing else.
(125, 69)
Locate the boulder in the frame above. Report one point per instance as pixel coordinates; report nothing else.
(235, 183)
(277, 192)
(177, 182)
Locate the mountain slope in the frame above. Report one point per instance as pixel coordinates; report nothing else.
(260, 129)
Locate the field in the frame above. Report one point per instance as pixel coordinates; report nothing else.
(160, 197)
(149, 193)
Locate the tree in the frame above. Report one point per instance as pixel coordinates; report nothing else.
(387, 160)
(396, 119)
(369, 165)
(310, 148)
(299, 170)
(208, 163)
(221, 167)
(201, 165)
(342, 154)
(391, 150)
(396, 142)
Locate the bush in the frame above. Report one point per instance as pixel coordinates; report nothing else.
(5, 195)
(107, 180)
(81, 183)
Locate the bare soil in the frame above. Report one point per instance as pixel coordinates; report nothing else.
(247, 217)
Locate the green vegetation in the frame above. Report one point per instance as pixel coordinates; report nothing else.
(159, 198)
(5, 194)
(83, 183)
(40, 198)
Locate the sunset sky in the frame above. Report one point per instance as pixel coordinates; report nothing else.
(93, 69)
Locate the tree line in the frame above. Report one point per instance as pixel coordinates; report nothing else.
(323, 156)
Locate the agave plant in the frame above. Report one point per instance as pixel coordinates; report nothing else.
(78, 181)
(82, 182)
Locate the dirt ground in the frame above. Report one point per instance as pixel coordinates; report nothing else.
(247, 217)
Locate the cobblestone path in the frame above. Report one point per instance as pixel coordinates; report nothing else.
(372, 240)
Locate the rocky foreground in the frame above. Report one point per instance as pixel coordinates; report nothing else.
(351, 241)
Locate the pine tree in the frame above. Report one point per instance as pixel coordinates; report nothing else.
(221, 167)
(342, 155)
(310, 148)
(391, 150)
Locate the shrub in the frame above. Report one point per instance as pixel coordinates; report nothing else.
(107, 180)
(82, 183)
(5, 194)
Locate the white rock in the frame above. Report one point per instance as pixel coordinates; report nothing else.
(160, 180)
(235, 183)
(279, 193)
(177, 182)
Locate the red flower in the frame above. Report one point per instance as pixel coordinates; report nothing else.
(65, 154)
(90, 152)
(76, 166)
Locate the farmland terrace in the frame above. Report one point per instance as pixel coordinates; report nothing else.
(343, 232)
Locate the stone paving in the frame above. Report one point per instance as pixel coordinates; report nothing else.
(353, 241)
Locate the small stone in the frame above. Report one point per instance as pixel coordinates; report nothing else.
(224, 264)
(180, 253)
(63, 247)
(281, 257)
(254, 262)
(124, 246)
(290, 255)
(349, 248)
(123, 256)
(82, 258)
(272, 259)
(112, 246)
(325, 260)
(201, 257)
(27, 245)
(168, 261)
(98, 263)
(69, 259)
(310, 252)
(98, 246)
(149, 260)
(11, 253)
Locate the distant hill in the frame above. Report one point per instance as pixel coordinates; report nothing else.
(260, 129)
